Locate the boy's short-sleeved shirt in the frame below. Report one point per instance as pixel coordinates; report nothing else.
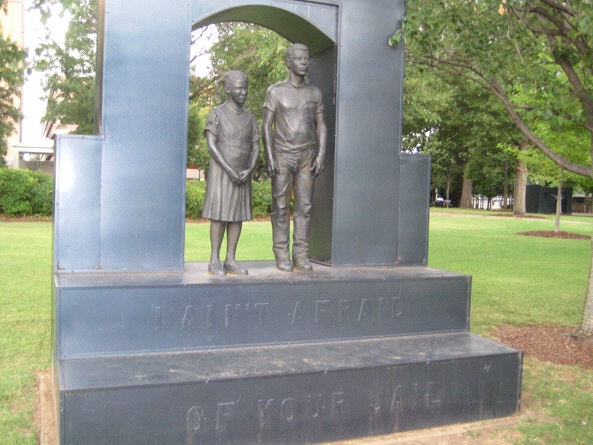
(295, 110)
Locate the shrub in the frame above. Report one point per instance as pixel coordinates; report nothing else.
(194, 198)
(262, 198)
(23, 192)
(42, 193)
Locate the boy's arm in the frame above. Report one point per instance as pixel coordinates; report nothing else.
(268, 139)
(321, 144)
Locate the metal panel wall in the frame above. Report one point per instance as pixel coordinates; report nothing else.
(130, 314)
(412, 247)
(368, 134)
(77, 202)
(323, 75)
(145, 89)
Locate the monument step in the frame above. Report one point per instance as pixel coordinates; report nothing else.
(289, 394)
(134, 312)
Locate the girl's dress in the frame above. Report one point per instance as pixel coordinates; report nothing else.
(236, 131)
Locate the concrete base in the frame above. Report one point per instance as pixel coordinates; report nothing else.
(292, 394)
(272, 358)
(484, 432)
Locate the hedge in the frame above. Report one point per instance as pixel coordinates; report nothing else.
(24, 192)
(194, 198)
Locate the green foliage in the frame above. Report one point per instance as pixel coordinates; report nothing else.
(12, 72)
(197, 147)
(70, 68)
(259, 53)
(261, 198)
(15, 192)
(42, 193)
(533, 55)
(23, 192)
(194, 198)
(426, 98)
(461, 126)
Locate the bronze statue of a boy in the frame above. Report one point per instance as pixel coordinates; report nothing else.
(233, 142)
(294, 136)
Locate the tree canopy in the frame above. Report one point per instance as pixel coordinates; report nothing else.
(533, 55)
(259, 53)
(69, 68)
(464, 129)
(12, 77)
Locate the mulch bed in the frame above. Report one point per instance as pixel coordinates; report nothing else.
(554, 344)
(5, 218)
(552, 234)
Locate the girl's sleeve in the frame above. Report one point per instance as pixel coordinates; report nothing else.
(213, 122)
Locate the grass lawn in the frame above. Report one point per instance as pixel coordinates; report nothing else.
(516, 280)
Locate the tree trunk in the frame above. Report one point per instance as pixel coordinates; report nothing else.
(585, 329)
(519, 208)
(447, 194)
(558, 208)
(505, 193)
(466, 194)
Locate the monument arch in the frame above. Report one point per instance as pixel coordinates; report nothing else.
(314, 25)
(143, 87)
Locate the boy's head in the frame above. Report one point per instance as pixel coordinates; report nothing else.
(297, 59)
(292, 50)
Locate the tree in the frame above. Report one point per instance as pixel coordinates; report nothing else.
(461, 126)
(197, 149)
(426, 96)
(257, 51)
(539, 48)
(70, 68)
(12, 76)
(546, 172)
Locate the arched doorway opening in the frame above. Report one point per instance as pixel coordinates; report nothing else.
(293, 28)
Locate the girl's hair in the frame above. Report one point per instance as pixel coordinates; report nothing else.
(231, 76)
(227, 80)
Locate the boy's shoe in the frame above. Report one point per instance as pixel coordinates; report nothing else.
(283, 264)
(302, 263)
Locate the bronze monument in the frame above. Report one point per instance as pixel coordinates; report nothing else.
(233, 142)
(294, 135)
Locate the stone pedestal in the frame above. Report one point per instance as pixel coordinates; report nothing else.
(297, 358)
